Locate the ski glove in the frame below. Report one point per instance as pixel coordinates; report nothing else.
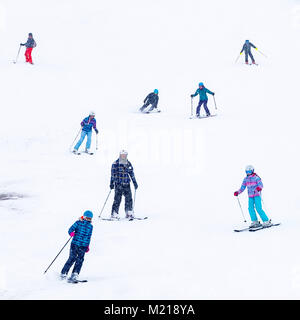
(258, 189)
(87, 249)
(192, 96)
(96, 130)
(72, 234)
(135, 185)
(112, 186)
(236, 193)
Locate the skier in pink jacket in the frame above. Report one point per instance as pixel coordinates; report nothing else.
(254, 185)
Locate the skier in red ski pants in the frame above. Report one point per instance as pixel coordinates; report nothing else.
(30, 44)
(28, 55)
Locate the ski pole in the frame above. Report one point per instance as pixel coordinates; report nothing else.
(96, 141)
(241, 209)
(75, 138)
(104, 204)
(57, 255)
(18, 54)
(215, 103)
(262, 53)
(191, 107)
(134, 200)
(237, 58)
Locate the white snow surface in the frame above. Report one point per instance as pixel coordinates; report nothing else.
(107, 56)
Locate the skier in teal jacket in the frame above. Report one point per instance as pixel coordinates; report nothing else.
(202, 91)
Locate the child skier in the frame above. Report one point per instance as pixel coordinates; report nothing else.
(121, 173)
(254, 185)
(30, 44)
(202, 91)
(152, 98)
(81, 231)
(247, 49)
(87, 124)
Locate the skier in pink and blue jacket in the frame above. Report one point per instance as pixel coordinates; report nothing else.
(254, 185)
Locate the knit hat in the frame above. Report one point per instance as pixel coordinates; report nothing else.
(88, 214)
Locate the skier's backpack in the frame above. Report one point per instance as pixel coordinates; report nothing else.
(34, 45)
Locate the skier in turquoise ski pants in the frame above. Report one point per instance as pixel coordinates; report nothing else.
(254, 185)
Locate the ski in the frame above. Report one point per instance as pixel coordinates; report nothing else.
(241, 230)
(138, 218)
(264, 227)
(203, 117)
(124, 219)
(158, 111)
(256, 229)
(81, 152)
(76, 281)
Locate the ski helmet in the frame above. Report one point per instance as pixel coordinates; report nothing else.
(88, 214)
(30, 34)
(249, 169)
(201, 84)
(92, 114)
(247, 41)
(155, 91)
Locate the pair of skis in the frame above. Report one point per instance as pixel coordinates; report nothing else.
(260, 227)
(156, 111)
(78, 153)
(124, 219)
(203, 117)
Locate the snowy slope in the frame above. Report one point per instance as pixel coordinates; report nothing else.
(107, 56)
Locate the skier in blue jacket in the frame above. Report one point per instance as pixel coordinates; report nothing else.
(202, 92)
(247, 49)
(81, 231)
(87, 124)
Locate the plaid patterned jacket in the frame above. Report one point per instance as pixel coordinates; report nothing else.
(121, 174)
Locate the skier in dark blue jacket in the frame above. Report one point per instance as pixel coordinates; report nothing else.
(81, 231)
(247, 49)
(152, 98)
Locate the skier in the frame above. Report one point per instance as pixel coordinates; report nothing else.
(121, 172)
(254, 184)
(81, 232)
(152, 98)
(247, 48)
(30, 44)
(87, 124)
(202, 91)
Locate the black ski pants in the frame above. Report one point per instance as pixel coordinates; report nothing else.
(122, 190)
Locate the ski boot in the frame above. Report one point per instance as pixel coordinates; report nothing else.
(267, 223)
(255, 224)
(75, 151)
(88, 151)
(129, 215)
(73, 278)
(115, 215)
(63, 276)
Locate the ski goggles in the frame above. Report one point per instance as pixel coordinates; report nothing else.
(249, 172)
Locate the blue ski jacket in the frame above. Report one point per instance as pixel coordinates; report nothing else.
(83, 231)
